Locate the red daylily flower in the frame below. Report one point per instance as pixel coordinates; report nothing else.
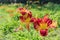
(26, 16)
(43, 24)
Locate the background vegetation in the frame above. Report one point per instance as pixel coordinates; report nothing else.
(9, 21)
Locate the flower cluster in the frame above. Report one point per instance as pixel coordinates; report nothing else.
(40, 24)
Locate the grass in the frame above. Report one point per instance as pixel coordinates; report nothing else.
(9, 21)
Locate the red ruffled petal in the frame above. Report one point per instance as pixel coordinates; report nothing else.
(53, 25)
(47, 20)
(20, 8)
(44, 32)
(23, 13)
(30, 14)
(22, 19)
(32, 19)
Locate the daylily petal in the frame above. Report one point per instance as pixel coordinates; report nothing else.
(45, 18)
(20, 8)
(22, 19)
(39, 20)
(36, 27)
(44, 32)
(32, 19)
(30, 14)
(22, 11)
(36, 24)
(49, 21)
(53, 25)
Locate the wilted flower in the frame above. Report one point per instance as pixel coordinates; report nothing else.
(19, 28)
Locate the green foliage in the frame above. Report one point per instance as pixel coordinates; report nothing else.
(9, 24)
